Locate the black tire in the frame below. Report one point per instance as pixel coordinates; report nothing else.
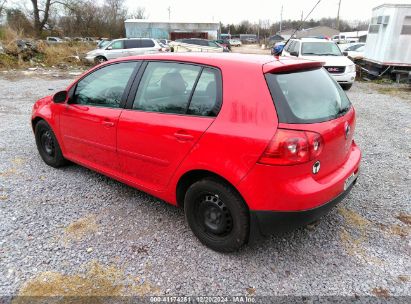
(217, 215)
(48, 146)
(100, 59)
(346, 87)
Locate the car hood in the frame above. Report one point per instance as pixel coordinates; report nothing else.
(330, 60)
(94, 52)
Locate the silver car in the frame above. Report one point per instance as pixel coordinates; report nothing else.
(123, 48)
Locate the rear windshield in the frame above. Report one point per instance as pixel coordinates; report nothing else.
(308, 96)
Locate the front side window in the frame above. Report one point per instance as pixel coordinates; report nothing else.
(354, 47)
(320, 49)
(117, 45)
(104, 87)
(307, 96)
(166, 87)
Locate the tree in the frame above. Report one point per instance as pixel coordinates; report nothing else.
(41, 10)
(139, 13)
(18, 21)
(2, 6)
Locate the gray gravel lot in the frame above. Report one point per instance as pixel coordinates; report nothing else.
(73, 231)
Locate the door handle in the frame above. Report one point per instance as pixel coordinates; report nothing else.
(107, 123)
(180, 135)
(77, 107)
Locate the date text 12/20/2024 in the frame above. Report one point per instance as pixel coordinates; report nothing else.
(203, 299)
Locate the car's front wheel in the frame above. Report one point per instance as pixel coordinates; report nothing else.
(217, 215)
(100, 59)
(48, 146)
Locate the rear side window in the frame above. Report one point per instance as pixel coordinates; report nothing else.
(179, 88)
(309, 96)
(166, 87)
(132, 44)
(146, 43)
(206, 100)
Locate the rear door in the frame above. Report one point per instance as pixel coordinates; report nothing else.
(169, 108)
(133, 47)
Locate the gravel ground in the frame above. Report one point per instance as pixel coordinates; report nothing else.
(73, 231)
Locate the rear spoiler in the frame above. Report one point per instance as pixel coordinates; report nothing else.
(289, 65)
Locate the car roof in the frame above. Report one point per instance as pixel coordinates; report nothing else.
(266, 63)
(132, 39)
(315, 40)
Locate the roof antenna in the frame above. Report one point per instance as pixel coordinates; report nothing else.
(301, 23)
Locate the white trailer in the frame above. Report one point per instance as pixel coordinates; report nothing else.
(388, 46)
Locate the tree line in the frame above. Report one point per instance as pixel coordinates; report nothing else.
(90, 18)
(85, 18)
(264, 28)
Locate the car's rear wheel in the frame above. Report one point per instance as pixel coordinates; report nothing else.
(100, 59)
(346, 87)
(48, 146)
(217, 215)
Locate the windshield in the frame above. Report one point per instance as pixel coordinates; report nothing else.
(103, 43)
(308, 96)
(320, 49)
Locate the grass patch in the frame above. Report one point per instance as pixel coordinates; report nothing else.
(8, 62)
(46, 55)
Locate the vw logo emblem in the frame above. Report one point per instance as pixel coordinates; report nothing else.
(316, 167)
(347, 130)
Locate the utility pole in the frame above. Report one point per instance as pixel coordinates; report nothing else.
(169, 13)
(281, 20)
(338, 16)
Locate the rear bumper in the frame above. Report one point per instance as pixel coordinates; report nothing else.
(295, 188)
(272, 222)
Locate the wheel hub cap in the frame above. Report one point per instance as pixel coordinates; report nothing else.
(215, 215)
(47, 143)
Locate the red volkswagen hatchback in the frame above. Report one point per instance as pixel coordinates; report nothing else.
(248, 145)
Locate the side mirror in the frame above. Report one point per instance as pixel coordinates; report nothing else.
(345, 53)
(109, 48)
(60, 97)
(294, 54)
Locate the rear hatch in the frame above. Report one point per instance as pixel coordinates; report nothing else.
(310, 101)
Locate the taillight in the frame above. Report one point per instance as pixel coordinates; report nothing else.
(290, 147)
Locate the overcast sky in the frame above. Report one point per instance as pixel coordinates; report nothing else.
(234, 11)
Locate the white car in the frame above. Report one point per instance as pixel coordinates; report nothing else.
(123, 48)
(235, 42)
(54, 40)
(340, 67)
(355, 51)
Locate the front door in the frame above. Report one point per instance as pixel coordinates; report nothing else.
(174, 105)
(116, 50)
(88, 122)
